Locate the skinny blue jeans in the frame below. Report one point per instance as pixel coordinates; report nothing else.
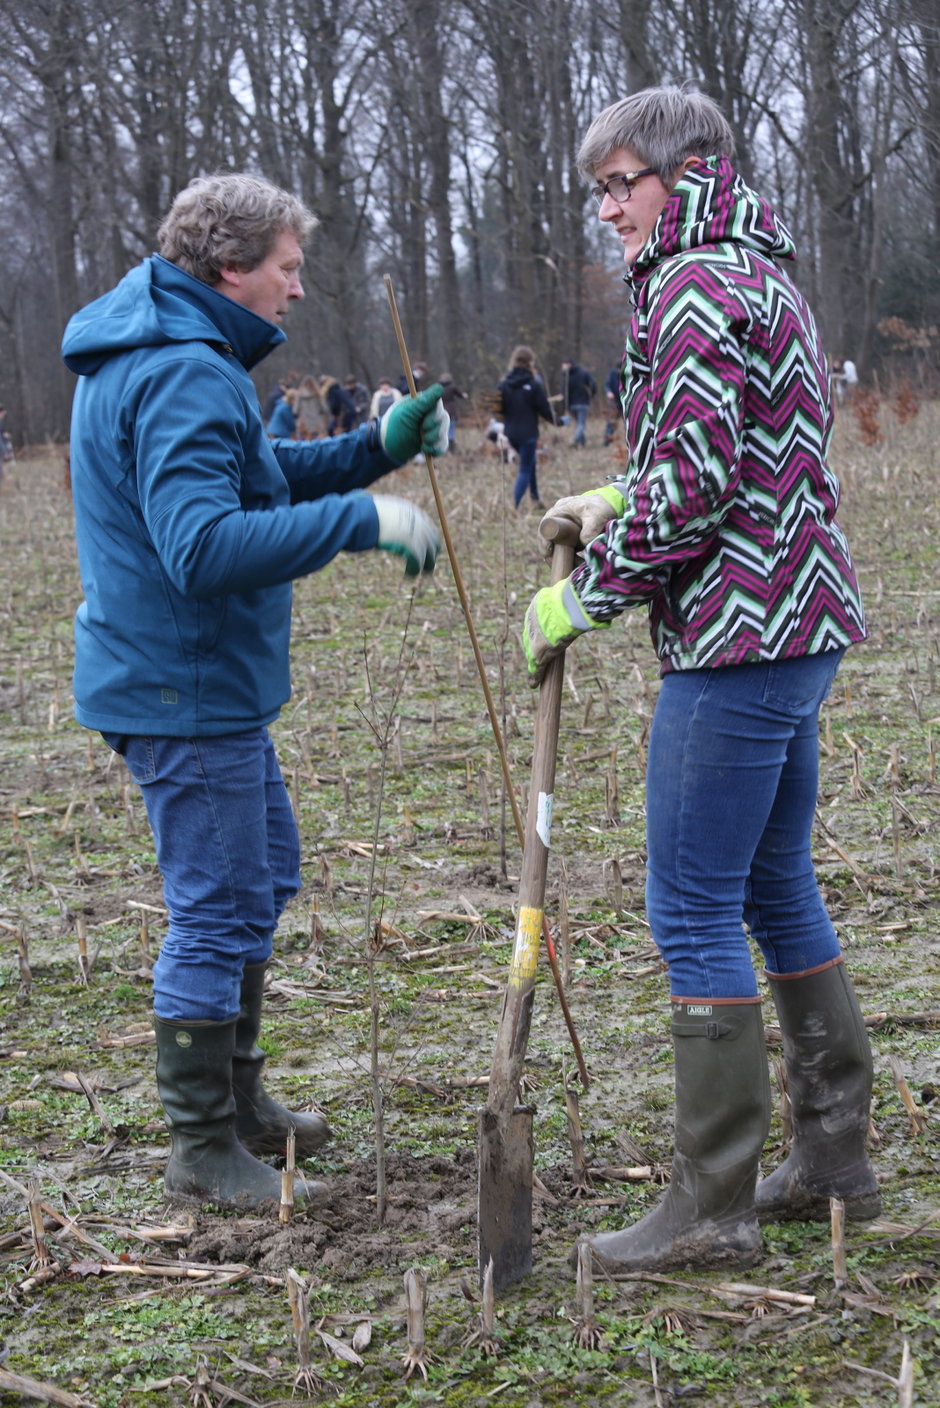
(732, 778)
(527, 450)
(229, 853)
(580, 414)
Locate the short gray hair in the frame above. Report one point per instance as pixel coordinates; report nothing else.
(230, 222)
(663, 126)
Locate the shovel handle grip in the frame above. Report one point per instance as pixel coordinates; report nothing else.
(563, 532)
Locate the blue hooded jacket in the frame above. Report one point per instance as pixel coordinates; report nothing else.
(190, 522)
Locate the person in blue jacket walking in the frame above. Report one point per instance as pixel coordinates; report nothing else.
(191, 525)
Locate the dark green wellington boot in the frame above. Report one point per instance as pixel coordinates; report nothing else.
(261, 1123)
(707, 1216)
(829, 1072)
(207, 1163)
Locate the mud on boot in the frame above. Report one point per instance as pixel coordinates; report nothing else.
(261, 1123)
(829, 1073)
(707, 1216)
(207, 1163)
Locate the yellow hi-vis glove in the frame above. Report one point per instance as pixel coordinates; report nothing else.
(591, 512)
(554, 619)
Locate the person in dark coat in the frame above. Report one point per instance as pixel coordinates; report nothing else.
(578, 388)
(523, 401)
(419, 371)
(361, 396)
(340, 404)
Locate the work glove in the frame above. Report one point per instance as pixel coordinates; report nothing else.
(591, 512)
(554, 619)
(414, 425)
(406, 530)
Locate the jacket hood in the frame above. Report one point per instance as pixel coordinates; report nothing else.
(711, 204)
(519, 376)
(158, 304)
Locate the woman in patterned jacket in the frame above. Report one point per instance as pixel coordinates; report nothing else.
(724, 527)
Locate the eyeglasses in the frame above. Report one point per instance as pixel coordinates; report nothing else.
(620, 188)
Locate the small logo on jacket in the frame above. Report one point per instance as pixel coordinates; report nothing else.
(169, 696)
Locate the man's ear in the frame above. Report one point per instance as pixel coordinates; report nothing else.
(230, 276)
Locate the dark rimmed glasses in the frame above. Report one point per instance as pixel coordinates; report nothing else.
(620, 188)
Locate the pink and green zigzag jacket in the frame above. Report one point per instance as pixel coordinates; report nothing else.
(729, 534)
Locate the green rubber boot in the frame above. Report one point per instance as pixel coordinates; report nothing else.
(707, 1216)
(260, 1122)
(829, 1073)
(207, 1163)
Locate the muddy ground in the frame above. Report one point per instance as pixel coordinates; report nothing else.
(411, 870)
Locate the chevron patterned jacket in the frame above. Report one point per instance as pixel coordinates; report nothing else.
(729, 534)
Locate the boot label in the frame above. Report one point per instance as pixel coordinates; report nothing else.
(699, 1009)
(184, 1039)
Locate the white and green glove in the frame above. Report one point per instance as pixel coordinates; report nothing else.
(415, 425)
(591, 512)
(554, 619)
(406, 530)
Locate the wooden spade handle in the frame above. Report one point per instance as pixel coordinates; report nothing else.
(515, 1020)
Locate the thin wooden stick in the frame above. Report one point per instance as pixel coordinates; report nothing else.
(484, 681)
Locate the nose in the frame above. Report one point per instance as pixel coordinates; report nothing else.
(608, 209)
(296, 289)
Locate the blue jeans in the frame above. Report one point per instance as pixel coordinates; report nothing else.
(229, 854)
(580, 414)
(732, 777)
(525, 477)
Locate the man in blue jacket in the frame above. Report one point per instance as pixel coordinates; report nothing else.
(191, 525)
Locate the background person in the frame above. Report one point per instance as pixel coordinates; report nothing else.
(309, 409)
(384, 397)
(523, 402)
(578, 389)
(724, 526)
(360, 396)
(191, 525)
(283, 422)
(339, 404)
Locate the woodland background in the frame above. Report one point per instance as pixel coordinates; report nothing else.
(435, 139)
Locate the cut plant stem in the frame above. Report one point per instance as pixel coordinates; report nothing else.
(579, 1171)
(81, 937)
(587, 1332)
(416, 1300)
(837, 1218)
(286, 1209)
(41, 1256)
(100, 1112)
(917, 1118)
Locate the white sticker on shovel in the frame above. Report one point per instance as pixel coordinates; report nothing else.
(543, 819)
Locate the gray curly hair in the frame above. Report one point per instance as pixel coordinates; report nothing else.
(663, 126)
(229, 222)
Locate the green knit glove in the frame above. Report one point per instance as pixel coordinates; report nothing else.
(554, 619)
(415, 425)
(591, 512)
